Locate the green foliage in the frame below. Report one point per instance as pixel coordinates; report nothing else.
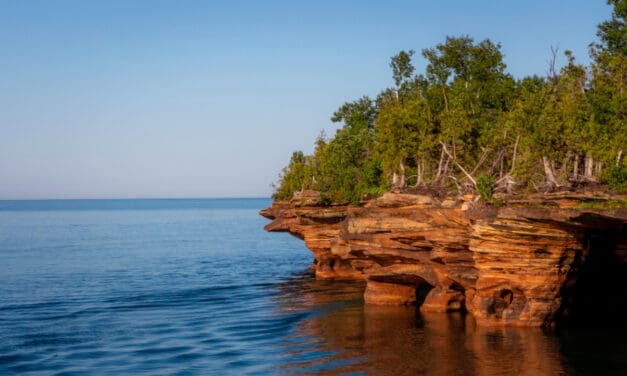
(616, 177)
(466, 125)
(401, 67)
(613, 33)
(294, 177)
(485, 184)
(347, 165)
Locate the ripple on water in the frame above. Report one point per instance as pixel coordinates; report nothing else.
(199, 288)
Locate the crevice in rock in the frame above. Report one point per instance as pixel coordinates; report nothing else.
(397, 289)
(422, 290)
(505, 304)
(507, 295)
(456, 287)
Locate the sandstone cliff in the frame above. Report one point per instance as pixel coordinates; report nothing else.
(528, 263)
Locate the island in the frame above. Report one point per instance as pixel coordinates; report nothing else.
(464, 188)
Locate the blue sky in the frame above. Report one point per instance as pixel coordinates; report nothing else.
(129, 99)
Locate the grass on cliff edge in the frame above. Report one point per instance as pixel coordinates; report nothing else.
(604, 204)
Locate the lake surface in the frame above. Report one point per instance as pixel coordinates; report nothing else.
(196, 287)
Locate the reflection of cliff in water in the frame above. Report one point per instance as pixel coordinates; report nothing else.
(340, 335)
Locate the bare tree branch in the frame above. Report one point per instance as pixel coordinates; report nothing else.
(511, 170)
(474, 182)
(481, 160)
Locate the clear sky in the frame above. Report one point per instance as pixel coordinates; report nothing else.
(108, 99)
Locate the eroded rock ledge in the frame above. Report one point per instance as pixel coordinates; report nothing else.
(516, 265)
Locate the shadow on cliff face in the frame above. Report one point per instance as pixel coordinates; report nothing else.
(596, 294)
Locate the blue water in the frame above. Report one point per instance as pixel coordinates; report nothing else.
(196, 287)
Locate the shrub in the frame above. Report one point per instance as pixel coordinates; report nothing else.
(616, 178)
(485, 185)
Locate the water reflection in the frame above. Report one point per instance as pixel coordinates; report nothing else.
(341, 335)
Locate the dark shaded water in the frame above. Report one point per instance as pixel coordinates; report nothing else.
(197, 287)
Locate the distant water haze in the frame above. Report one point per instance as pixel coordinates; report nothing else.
(139, 99)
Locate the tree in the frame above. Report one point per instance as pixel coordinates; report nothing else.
(404, 133)
(613, 33)
(294, 177)
(466, 124)
(402, 69)
(606, 95)
(347, 163)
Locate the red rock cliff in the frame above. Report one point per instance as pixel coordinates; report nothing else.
(515, 265)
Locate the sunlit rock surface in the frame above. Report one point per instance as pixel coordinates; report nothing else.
(515, 265)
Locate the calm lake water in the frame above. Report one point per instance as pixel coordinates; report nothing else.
(196, 287)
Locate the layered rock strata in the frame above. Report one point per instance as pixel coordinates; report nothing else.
(515, 265)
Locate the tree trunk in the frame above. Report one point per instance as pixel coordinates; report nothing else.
(511, 170)
(445, 168)
(440, 167)
(588, 167)
(445, 99)
(402, 176)
(548, 172)
(420, 172)
(618, 158)
(576, 167)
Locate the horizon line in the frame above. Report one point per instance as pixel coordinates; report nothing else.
(137, 198)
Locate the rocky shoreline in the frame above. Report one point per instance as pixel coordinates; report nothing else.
(537, 261)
